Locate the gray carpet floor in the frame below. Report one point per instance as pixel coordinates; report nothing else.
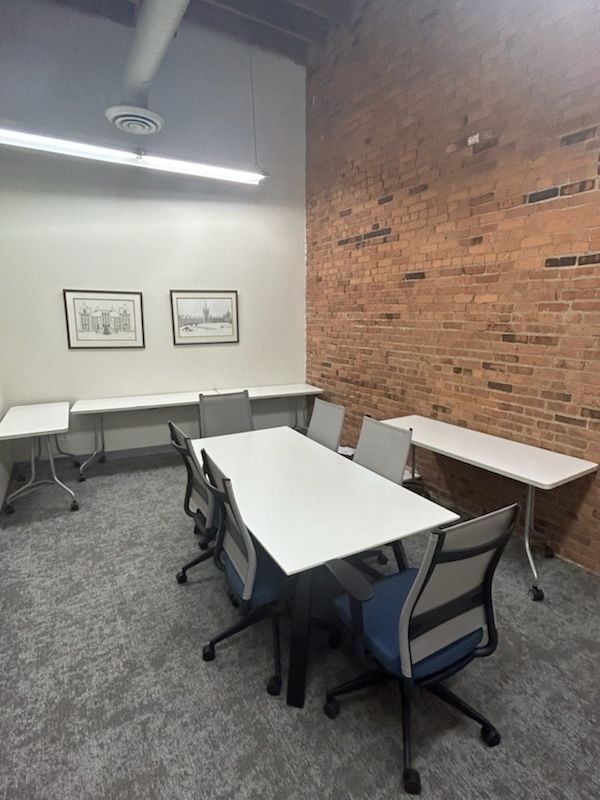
(104, 694)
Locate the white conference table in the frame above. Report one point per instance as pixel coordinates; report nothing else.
(536, 467)
(145, 402)
(37, 422)
(307, 505)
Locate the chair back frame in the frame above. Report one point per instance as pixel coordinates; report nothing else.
(196, 482)
(326, 423)
(383, 449)
(234, 538)
(469, 610)
(234, 409)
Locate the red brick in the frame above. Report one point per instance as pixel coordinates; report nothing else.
(506, 281)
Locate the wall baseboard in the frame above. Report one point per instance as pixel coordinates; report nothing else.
(111, 455)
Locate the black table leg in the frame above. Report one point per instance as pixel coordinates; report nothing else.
(300, 640)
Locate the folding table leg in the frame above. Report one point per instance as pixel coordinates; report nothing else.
(32, 483)
(34, 455)
(535, 592)
(57, 480)
(300, 640)
(99, 453)
(76, 462)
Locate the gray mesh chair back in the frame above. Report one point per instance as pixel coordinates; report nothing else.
(235, 539)
(383, 449)
(326, 423)
(197, 487)
(451, 596)
(225, 413)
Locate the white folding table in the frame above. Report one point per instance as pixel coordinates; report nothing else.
(536, 467)
(37, 422)
(108, 405)
(306, 505)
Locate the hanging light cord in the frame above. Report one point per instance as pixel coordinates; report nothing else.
(253, 104)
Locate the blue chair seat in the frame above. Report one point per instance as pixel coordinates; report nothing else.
(268, 582)
(381, 617)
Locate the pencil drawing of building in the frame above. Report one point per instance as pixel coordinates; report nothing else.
(106, 320)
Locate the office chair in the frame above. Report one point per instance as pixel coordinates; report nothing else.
(255, 580)
(326, 423)
(383, 449)
(207, 514)
(225, 413)
(422, 626)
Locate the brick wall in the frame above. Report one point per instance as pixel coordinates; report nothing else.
(453, 209)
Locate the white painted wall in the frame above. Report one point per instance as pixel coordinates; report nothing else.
(5, 455)
(70, 224)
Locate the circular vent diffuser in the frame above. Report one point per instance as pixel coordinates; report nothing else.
(132, 119)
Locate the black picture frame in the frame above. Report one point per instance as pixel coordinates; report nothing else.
(197, 326)
(126, 326)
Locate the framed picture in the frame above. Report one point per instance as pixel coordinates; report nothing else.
(103, 320)
(204, 317)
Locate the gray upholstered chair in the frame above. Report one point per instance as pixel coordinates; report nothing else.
(422, 626)
(326, 423)
(384, 449)
(255, 581)
(206, 515)
(225, 413)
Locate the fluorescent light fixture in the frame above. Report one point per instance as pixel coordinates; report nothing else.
(92, 152)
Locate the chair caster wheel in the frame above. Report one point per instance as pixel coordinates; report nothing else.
(203, 545)
(331, 708)
(74, 506)
(81, 478)
(102, 459)
(536, 593)
(181, 577)
(8, 509)
(274, 686)
(490, 735)
(208, 652)
(335, 640)
(411, 780)
(382, 559)
(548, 552)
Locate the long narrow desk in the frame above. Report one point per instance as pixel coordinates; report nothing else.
(109, 405)
(536, 467)
(306, 505)
(37, 422)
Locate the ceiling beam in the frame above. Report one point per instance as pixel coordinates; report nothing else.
(248, 30)
(113, 10)
(331, 10)
(279, 15)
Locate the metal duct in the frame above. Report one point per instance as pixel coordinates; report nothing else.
(156, 24)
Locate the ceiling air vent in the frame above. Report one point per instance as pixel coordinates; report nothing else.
(134, 119)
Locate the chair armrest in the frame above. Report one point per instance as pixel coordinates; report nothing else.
(350, 579)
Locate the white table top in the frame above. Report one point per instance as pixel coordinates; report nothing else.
(306, 504)
(138, 402)
(169, 400)
(41, 419)
(279, 390)
(534, 466)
